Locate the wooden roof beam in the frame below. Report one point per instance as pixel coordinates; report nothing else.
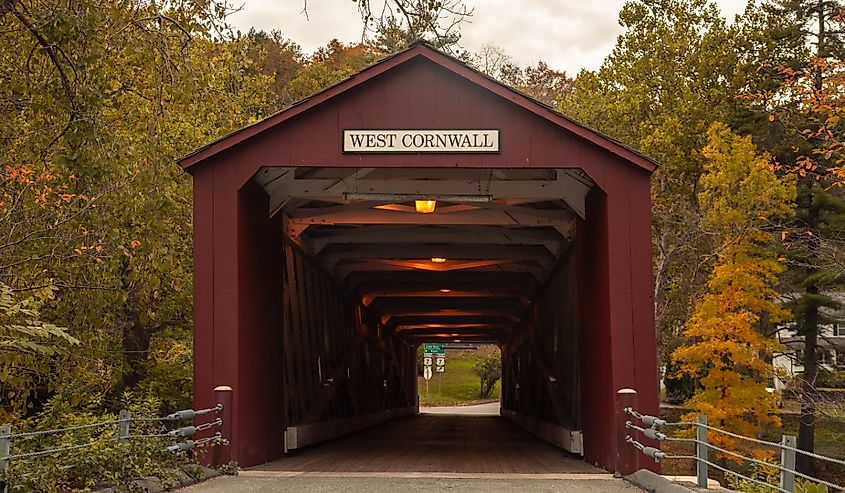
(490, 235)
(502, 215)
(451, 320)
(415, 251)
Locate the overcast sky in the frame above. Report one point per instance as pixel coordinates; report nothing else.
(567, 34)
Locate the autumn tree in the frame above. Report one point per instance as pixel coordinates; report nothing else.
(331, 64)
(729, 349)
(277, 57)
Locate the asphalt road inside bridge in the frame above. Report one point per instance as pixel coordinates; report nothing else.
(462, 449)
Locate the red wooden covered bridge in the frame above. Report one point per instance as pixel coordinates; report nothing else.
(319, 266)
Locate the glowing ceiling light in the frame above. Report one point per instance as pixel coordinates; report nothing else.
(444, 290)
(438, 260)
(425, 206)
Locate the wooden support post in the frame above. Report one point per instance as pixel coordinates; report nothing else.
(626, 454)
(222, 452)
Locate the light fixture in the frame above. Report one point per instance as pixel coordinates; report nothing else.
(425, 206)
(457, 340)
(438, 260)
(444, 290)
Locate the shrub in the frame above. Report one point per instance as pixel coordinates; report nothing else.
(831, 379)
(104, 462)
(489, 370)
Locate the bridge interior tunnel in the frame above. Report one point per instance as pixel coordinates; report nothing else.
(375, 261)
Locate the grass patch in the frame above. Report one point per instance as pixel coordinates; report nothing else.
(458, 385)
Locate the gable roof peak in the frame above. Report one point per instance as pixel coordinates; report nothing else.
(421, 47)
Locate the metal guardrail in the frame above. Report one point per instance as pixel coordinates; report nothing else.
(651, 429)
(123, 434)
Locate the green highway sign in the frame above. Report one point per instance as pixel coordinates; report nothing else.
(429, 348)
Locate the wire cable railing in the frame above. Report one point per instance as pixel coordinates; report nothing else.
(650, 428)
(122, 433)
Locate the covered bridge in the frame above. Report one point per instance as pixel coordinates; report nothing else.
(419, 201)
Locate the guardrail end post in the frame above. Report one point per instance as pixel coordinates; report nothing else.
(787, 462)
(626, 455)
(701, 451)
(222, 454)
(123, 426)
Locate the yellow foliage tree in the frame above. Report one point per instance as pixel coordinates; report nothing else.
(741, 196)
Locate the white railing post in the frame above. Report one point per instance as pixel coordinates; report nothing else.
(701, 451)
(787, 462)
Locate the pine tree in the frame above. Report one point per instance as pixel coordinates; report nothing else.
(800, 107)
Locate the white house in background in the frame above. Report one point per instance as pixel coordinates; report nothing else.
(831, 344)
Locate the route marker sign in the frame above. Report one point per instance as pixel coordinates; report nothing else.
(427, 374)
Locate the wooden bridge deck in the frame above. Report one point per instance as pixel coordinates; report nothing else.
(435, 444)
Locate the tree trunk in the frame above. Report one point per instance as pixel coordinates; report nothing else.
(136, 336)
(809, 329)
(807, 425)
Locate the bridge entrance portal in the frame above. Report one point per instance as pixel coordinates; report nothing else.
(419, 201)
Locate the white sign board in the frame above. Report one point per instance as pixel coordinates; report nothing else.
(427, 373)
(427, 361)
(446, 141)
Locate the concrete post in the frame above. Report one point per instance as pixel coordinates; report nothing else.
(123, 426)
(787, 461)
(222, 452)
(626, 454)
(5, 451)
(701, 451)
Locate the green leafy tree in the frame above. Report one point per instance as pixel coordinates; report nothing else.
(672, 73)
(111, 94)
(28, 347)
